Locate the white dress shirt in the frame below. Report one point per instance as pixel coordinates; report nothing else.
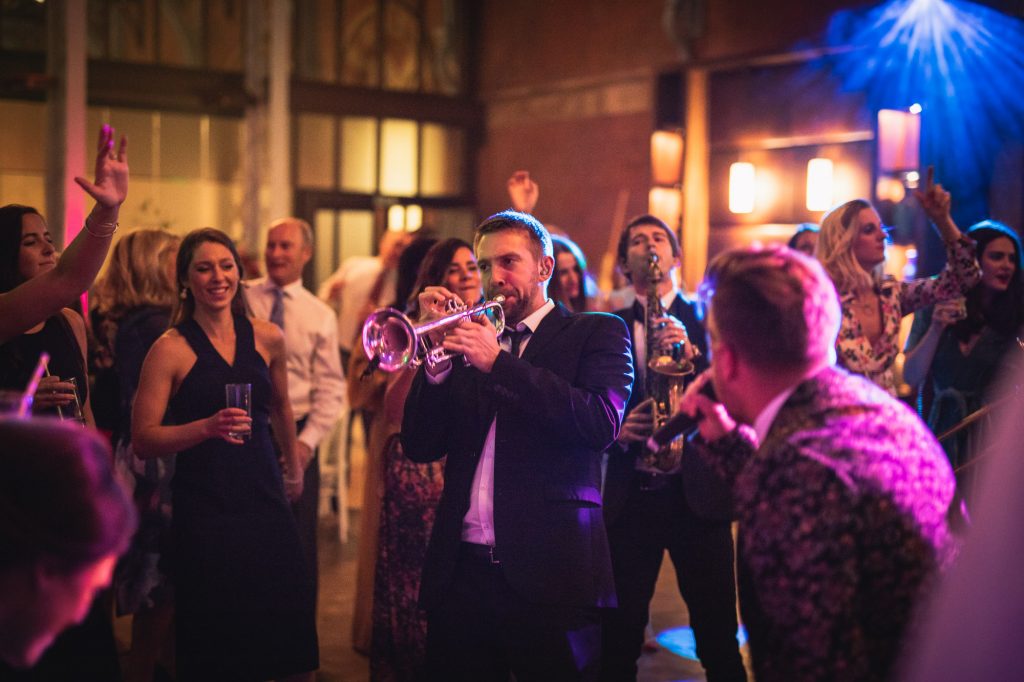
(478, 523)
(316, 386)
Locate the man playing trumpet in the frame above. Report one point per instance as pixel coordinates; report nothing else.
(656, 504)
(518, 562)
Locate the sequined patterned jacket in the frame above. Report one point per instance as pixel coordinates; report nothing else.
(897, 299)
(842, 523)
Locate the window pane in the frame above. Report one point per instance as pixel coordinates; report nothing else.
(22, 137)
(130, 28)
(451, 222)
(443, 154)
(315, 164)
(324, 232)
(24, 26)
(137, 126)
(179, 145)
(398, 157)
(360, 63)
(180, 30)
(225, 149)
(224, 22)
(355, 234)
(401, 48)
(358, 155)
(443, 47)
(317, 49)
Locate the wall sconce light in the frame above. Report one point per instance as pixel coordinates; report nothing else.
(899, 140)
(742, 187)
(666, 203)
(666, 157)
(819, 184)
(405, 218)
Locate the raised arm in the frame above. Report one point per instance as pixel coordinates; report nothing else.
(167, 359)
(961, 272)
(37, 299)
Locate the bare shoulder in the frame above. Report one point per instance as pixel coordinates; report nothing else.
(75, 320)
(171, 349)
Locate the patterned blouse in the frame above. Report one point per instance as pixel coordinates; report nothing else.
(857, 354)
(842, 525)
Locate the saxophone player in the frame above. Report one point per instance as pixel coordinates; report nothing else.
(679, 506)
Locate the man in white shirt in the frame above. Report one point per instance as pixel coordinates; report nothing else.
(518, 568)
(363, 282)
(316, 386)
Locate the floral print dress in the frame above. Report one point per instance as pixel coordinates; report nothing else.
(875, 361)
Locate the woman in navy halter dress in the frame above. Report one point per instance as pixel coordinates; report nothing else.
(244, 598)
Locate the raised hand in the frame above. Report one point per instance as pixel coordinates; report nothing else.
(110, 186)
(935, 200)
(523, 192)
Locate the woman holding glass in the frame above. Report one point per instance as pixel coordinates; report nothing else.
(851, 247)
(244, 598)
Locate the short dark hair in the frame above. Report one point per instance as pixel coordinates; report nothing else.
(523, 222)
(186, 307)
(646, 219)
(59, 497)
(10, 243)
(802, 228)
(776, 306)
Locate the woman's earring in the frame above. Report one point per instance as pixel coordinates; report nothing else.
(184, 293)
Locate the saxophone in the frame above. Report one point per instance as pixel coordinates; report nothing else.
(667, 369)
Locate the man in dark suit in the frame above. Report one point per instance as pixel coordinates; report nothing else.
(518, 563)
(678, 505)
(842, 508)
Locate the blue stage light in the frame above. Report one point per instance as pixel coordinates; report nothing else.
(960, 64)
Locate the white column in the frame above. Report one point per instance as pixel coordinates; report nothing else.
(278, 109)
(66, 115)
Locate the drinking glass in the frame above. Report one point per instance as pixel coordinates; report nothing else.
(240, 396)
(73, 410)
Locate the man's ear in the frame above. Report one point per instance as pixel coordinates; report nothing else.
(547, 267)
(727, 361)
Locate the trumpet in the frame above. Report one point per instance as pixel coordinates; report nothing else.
(392, 341)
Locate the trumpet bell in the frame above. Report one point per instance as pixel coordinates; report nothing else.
(390, 338)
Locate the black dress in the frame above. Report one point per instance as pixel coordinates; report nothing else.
(245, 603)
(86, 651)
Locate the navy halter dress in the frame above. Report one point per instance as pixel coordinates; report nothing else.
(245, 603)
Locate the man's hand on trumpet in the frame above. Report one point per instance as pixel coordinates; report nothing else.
(433, 302)
(477, 340)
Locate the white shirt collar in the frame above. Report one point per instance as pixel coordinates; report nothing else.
(532, 320)
(666, 300)
(763, 423)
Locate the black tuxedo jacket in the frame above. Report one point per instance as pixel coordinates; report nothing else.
(558, 407)
(706, 493)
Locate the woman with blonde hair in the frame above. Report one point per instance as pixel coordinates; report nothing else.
(851, 246)
(134, 299)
